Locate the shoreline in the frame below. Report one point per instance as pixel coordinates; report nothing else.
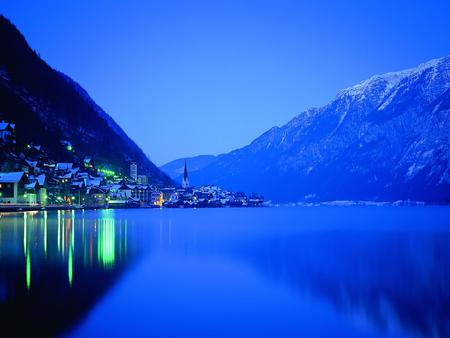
(26, 208)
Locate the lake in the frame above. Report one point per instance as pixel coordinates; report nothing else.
(249, 272)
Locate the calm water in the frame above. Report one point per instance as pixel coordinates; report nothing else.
(268, 272)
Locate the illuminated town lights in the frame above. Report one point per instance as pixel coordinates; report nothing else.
(107, 172)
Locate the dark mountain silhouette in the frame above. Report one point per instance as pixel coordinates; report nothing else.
(48, 107)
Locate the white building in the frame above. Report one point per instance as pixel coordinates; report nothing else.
(12, 187)
(133, 171)
(142, 180)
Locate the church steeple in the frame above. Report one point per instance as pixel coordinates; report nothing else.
(185, 183)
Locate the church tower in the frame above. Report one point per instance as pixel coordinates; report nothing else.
(185, 183)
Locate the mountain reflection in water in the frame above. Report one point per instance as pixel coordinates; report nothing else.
(382, 272)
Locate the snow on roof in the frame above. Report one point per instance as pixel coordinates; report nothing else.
(11, 177)
(41, 179)
(143, 187)
(77, 184)
(32, 163)
(64, 166)
(4, 125)
(66, 176)
(31, 185)
(94, 190)
(95, 183)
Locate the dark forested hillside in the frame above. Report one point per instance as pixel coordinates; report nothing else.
(48, 107)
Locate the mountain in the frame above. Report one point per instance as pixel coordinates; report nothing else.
(174, 169)
(387, 138)
(49, 108)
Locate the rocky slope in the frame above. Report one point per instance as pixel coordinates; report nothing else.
(387, 138)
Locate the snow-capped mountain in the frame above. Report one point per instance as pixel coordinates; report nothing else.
(387, 138)
(50, 109)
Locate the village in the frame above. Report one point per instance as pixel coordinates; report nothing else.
(30, 179)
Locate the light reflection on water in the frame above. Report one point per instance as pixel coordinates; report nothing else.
(59, 250)
(343, 272)
(96, 243)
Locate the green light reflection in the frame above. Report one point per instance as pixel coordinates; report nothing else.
(98, 242)
(106, 241)
(59, 231)
(70, 267)
(45, 232)
(28, 271)
(24, 233)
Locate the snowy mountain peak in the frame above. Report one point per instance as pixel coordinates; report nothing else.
(387, 138)
(387, 81)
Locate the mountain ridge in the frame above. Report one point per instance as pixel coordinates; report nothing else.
(174, 169)
(358, 146)
(49, 108)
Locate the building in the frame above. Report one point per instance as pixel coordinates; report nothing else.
(63, 168)
(133, 171)
(124, 191)
(141, 193)
(6, 131)
(185, 182)
(13, 187)
(167, 193)
(37, 186)
(96, 197)
(88, 163)
(142, 180)
(32, 192)
(157, 198)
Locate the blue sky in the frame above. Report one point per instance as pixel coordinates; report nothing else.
(185, 78)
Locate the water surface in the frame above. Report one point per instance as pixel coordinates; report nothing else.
(262, 272)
